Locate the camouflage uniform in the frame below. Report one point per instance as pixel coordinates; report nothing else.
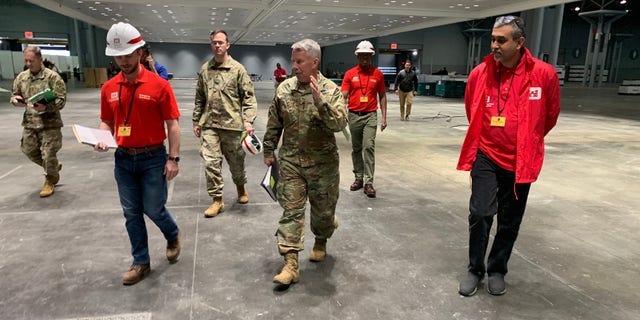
(308, 158)
(42, 136)
(225, 104)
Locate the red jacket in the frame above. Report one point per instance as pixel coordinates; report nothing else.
(538, 109)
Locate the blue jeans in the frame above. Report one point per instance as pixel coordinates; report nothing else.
(143, 189)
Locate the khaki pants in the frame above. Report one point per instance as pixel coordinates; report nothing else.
(363, 141)
(405, 97)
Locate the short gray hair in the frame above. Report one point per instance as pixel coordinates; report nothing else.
(516, 22)
(35, 50)
(311, 47)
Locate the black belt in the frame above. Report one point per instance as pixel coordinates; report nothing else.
(361, 113)
(134, 151)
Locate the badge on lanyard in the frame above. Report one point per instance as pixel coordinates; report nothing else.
(124, 131)
(497, 121)
(364, 99)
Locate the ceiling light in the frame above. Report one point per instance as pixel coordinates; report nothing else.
(148, 4)
(623, 1)
(576, 9)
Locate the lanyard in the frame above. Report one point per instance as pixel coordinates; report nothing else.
(366, 88)
(133, 94)
(508, 91)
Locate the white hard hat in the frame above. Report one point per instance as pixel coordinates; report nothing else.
(365, 47)
(252, 145)
(122, 39)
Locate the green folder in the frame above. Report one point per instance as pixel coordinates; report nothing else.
(44, 96)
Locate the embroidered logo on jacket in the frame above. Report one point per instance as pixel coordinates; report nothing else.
(114, 96)
(144, 97)
(535, 93)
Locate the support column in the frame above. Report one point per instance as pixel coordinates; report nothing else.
(602, 19)
(555, 45)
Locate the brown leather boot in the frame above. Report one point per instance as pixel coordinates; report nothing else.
(47, 188)
(216, 207)
(135, 274)
(290, 272)
(319, 251)
(243, 195)
(356, 185)
(173, 248)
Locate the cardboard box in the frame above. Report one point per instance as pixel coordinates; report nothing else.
(100, 76)
(89, 77)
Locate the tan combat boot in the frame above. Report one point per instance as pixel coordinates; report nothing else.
(216, 207)
(47, 188)
(56, 179)
(243, 195)
(319, 250)
(290, 272)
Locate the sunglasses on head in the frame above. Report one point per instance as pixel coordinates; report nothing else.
(508, 19)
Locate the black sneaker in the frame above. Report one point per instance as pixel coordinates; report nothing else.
(469, 285)
(496, 285)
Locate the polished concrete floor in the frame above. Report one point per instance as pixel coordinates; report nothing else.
(398, 256)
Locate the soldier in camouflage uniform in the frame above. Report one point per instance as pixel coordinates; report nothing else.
(306, 111)
(225, 107)
(41, 136)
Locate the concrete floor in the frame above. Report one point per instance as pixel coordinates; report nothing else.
(399, 256)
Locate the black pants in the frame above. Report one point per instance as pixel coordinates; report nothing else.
(492, 191)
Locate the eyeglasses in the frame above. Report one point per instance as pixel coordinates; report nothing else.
(505, 19)
(500, 21)
(513, 20)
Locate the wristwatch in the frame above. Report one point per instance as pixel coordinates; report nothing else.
(174, 159)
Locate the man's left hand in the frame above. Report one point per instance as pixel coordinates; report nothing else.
(383, 126)
(315, 90)
(171, 169)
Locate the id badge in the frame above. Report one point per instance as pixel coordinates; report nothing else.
(498, 121)
(364, 99)
(124, 131)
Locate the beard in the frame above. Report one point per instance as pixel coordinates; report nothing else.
(129, 69)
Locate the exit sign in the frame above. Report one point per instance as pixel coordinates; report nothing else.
(394, 46)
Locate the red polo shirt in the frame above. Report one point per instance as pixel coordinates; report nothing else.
(359, 83)
(280, 75)
(499, 143)
(153, 103)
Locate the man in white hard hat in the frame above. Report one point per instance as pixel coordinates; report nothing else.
(225, 107)
(136, 105)
(362, 86)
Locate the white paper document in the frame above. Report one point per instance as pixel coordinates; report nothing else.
(92, 136)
